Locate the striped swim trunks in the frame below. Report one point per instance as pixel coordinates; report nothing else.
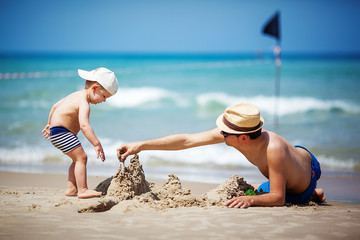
(63, 139)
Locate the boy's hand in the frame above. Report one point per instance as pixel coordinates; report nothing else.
(46, 131)
(100, 152)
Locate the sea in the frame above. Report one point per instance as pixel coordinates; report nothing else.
(316, 104)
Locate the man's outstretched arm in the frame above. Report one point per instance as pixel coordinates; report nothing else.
(172, 142)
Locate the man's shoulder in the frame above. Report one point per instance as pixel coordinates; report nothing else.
(276, 146)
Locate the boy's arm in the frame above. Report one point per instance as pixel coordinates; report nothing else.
(84, 113)
(172, 142)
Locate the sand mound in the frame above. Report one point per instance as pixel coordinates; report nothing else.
(128, 189)
(130, 182)
(235, 186)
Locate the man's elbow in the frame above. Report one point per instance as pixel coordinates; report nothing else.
(279, 201)
(276, 200)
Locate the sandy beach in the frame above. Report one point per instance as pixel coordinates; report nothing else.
(33, 206)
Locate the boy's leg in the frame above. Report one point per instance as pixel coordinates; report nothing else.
(80, 159)
(71, 186)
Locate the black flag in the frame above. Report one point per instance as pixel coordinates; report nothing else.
(272, 26)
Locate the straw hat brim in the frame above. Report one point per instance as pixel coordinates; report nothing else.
(221, 125)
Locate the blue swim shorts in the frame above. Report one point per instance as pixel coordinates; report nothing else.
(63, 139)
(306, 195)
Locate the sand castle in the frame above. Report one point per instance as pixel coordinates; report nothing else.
(129, 189)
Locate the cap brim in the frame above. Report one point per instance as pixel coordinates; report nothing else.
(87, 75)
(221, 125)
(91, 76)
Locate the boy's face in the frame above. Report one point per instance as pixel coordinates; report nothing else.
(100, 95)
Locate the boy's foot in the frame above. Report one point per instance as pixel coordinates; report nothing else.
(89, 194)
(71, 192)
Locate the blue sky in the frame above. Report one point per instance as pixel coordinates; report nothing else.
(186, 26)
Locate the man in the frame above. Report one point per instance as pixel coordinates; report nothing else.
(292, 171)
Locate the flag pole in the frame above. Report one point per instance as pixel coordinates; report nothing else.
(277, 52)
(272, 28)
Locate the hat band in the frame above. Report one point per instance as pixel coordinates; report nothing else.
(237, 128)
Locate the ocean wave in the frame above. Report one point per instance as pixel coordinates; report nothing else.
(217, 156)
(30, 155)
(143, 97)
(286, 105)
(152, 97)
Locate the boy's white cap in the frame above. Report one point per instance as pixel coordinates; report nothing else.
(103, 76)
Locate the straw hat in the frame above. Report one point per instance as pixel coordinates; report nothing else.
(103, 76)
(240, 118)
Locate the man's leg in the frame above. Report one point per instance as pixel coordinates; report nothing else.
(318, 196)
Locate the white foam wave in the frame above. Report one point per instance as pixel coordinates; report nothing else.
(286, 105)
(143, 97)
(333, 163)
(206, 155)
(219, 154)
(30, 155)
(201, 157)
(153, 97)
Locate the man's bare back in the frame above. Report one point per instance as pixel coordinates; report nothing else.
(296, 161)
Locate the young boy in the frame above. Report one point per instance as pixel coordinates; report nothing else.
(70, 115)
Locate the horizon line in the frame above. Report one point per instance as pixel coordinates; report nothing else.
(257, 54)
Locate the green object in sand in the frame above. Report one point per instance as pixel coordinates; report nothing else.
(250, 192)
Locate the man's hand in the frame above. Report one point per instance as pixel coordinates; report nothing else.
(239, 202)
(127, 149)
